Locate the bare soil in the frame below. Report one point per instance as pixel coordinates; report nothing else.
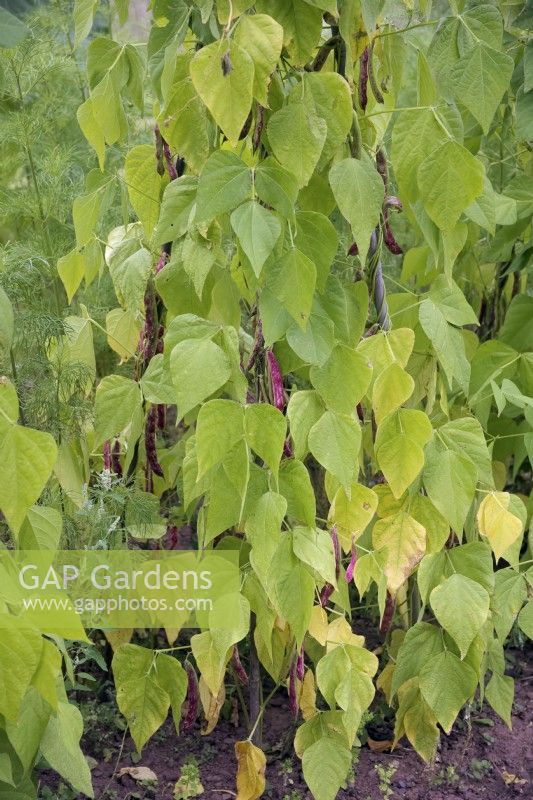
(481, 759)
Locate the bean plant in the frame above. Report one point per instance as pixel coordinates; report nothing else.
(266, 281)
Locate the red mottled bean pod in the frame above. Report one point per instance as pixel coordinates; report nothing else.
(238, 667)
(351, 565)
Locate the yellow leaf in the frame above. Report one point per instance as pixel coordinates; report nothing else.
(307, 695)
(118, 637)
(497, 523)
(318, 625)
(340, 632)
(251, 771)
(212, 705)
(391, 389)
(403, 540)
(352, 514)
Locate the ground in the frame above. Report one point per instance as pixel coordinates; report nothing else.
(481, 760)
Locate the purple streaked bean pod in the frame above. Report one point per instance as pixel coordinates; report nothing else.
(300, 665)
(161, 416)
(389, 240)
(363, 79)
(276, 381)
(150, 441)
(381, 164)
(325, 594)
(351, 565)
(115, 459)
(106, 453)
(172, 172)
(236, 663)
(193, 696)
(388, 614)
(293, 699)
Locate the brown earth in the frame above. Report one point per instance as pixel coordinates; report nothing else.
(481, 760)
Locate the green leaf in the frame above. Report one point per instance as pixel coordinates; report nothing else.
(500, 694)
(450, 481)
(140, 696)
(219, 427)
(451, 301)
(480, 22)
(225, 182)
(343, 380)
(6, 321)
(130, 268)
(297, 137)
(318, 240)
(314, 344)
(401, 460)
(71, 269)
(144, 185)
(404, 542)
(392, 388)
(60, 746)
(292, 279)
(84, 11)
(525, 619)
(29, 456)
(184, 119)
(328, 95)
(156, 383)
(292, 588)
(117, 401)
(263, 530)
(19, 657)
(449, 180)
(517, 330)
(421, 643)
(258, 230)
(303, 410)
(123, 329)
(276, 186)
(335, 441)
(86, 116)
(510, 592)
(447, 343)
(461, 606)
(301, 25)
(198, 369)
(446, 683)
(295, 486)
(266, 430)
(325, 766)
(465, 437)
(12, 30)
(223, 76)
(480, 79)
(359, 193)
(176, 209)
(314, 548)
(41, 529)
(262, 38)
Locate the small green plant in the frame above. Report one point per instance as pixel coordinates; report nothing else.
(479, 768)
(385, 775)
(445, 776)
(188, 784)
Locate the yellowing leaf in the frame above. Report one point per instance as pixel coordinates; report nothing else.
(71, 269)
(497, 523)
(352, 514)
(318, 625)
(307, 696)
(404, 542)
(251, 771)
(391, 389)
(340, 632)
(211, 704)
(401, 459)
